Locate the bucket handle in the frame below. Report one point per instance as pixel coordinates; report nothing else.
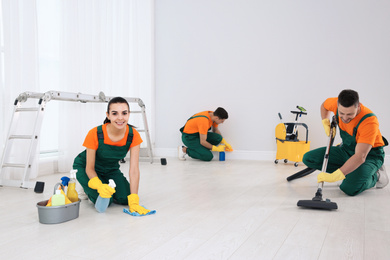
(56, 187)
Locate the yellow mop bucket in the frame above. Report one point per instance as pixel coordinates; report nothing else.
(287, 149)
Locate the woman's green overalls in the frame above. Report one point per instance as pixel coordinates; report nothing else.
(194, 148)
(107, 167)
(361, 179)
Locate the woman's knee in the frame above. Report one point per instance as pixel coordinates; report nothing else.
(120, 200)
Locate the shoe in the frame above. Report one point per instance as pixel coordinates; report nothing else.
(82, 195)
(181, 153)
(383, 179)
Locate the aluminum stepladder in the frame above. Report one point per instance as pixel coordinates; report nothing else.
(27, 165)
(43, 98)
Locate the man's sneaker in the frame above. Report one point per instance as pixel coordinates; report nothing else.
(181, 153)
(82, 194)
(383, 180)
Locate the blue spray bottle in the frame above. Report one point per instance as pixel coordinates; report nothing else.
(102, 203)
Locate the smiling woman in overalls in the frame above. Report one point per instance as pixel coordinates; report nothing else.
(105, 146)
(358, 161)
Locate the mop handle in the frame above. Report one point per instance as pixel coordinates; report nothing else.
(326, 156)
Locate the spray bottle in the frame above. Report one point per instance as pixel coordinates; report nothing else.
(65, 180)
(72, 193)
(102, 203)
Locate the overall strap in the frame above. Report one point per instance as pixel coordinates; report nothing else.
(129, 136)
(197, 116)
(182, 129)
(361, 120)
(386, 143)
(100, 132)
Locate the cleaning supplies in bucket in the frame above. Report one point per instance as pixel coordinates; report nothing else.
(58, 186)
(51, 213)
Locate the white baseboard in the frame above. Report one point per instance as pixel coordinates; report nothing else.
(49, 165)
(235, 155)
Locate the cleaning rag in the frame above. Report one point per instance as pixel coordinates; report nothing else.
(136, 214)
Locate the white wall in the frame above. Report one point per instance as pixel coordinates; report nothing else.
(257, 58)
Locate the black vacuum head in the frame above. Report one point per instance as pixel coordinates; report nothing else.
(317, 204)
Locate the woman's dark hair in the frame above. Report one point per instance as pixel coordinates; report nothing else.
(348, 98)
(115, 100)
(221, 113)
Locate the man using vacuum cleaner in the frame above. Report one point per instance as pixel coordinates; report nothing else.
(358, 161)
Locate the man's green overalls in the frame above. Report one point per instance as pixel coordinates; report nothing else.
(361, 179)
(106, 167)
(194, 148)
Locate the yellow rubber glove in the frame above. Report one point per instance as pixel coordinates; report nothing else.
(326, 124)
(228, 147)
(134, 206)
(337, 175)
(104, 190)
(219, 148)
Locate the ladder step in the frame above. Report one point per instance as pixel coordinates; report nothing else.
(14, 165)
(22, 137)
(27, 109)
(136, 112)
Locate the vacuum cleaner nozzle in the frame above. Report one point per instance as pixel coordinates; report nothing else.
(317, 204)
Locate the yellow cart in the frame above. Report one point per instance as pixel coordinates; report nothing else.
(290, 150)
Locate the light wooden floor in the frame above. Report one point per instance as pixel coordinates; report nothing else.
(205, 210)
